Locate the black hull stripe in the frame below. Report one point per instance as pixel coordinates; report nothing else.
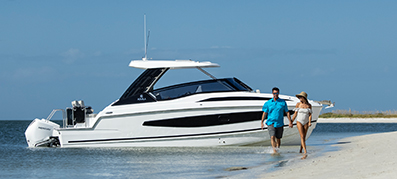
(207, 120)
(235, 99)
(160, 137)
(175, 136)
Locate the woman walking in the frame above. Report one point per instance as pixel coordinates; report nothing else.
(303, 116)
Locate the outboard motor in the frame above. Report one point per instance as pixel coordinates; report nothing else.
(41, 132)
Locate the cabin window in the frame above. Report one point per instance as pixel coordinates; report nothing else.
(176, 91)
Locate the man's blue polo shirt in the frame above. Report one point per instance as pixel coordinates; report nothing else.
(275, 112)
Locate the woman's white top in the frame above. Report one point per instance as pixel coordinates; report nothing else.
(303, 115)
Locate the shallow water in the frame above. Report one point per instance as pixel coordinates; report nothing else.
(18, 161)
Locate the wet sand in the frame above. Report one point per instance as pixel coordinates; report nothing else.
(367, 156)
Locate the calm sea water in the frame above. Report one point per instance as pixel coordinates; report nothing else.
(19, 161)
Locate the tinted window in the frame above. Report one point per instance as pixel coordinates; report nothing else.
(191, 88)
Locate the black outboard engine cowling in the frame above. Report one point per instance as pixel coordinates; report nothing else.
(77, 113)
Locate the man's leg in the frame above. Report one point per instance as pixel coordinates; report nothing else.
(274, 143)
(272, 134)
(278, 142)
(279, 135)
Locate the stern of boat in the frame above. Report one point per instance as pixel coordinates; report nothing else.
(45, 133)
(42, 133)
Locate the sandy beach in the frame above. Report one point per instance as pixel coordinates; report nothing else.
(367, 156)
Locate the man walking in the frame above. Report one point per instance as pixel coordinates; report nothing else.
(274, 109)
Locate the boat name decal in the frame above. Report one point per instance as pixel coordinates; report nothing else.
(141, 98)
(48, 129)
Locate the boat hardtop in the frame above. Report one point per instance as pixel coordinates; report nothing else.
(143, 86)
(177, 64)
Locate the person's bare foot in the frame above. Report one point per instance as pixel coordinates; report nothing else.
(275, 154)
(304, 156)
(275, 151)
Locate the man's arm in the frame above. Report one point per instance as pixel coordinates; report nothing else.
(288, 116)
(290, 121)
(263, 119)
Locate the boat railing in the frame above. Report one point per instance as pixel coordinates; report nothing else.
(54, 111)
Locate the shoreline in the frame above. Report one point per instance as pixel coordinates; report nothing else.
(365, 156)
(357, 120)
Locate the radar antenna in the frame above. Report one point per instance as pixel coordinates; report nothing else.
(146, 38)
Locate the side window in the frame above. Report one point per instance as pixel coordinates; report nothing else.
(175, 92)
(215, 86)
(186, 89)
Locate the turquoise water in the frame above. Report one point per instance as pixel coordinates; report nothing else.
(18, 161)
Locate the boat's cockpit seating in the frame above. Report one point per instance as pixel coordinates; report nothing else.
(77, 113)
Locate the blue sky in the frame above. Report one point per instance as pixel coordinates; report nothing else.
(54, 52)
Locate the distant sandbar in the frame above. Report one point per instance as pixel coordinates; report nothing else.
(357, 120)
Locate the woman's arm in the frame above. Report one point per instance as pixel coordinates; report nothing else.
(294, 116)
(296, 112)
(310, 116)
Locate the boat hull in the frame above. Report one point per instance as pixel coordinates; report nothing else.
(255, 137)
(131, 131)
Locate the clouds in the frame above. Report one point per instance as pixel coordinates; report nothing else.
(220, 47)
(262, 43)
(29, 74)
(72, 55)
(321, 72)
(28, 69)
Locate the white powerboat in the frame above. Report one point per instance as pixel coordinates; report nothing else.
(214, 112)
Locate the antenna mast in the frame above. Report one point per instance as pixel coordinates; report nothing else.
(146, 38)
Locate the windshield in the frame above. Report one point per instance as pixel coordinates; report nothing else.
(220, 85)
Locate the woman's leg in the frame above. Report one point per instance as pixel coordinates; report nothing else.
(306, 128)
(302, 133)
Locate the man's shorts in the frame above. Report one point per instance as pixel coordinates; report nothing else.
(278, 132)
